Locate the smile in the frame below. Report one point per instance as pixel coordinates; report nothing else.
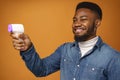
(78, 30)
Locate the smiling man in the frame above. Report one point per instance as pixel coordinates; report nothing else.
(87, 58)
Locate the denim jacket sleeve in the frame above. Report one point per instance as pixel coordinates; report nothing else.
(114, 68)
(42, 67)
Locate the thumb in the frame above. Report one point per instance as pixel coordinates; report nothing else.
(22, 36)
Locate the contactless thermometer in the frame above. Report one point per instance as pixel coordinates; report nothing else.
(17, 29)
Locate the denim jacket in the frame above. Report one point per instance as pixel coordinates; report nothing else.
(101, 63)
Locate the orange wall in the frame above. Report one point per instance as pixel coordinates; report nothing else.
(48, 23)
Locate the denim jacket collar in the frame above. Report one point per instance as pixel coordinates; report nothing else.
(98, 44)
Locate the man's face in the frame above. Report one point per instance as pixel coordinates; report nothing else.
(84, 24)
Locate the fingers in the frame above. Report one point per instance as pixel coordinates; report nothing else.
(18, 47)
(17, 35)
(18, 44)
(17, 40)
(21, 42)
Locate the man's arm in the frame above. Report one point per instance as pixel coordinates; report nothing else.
(39, 67)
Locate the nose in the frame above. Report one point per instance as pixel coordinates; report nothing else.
(77, 24)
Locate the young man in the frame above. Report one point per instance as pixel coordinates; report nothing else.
(87, 58)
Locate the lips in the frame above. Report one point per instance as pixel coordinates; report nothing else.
(78, 30)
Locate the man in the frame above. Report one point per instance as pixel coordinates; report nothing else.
(87, 58)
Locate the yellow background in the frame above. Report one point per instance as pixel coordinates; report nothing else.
(48, 23)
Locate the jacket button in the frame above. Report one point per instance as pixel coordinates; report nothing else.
(64, 59)
(74, 78)
(93, 69)
(78, 65)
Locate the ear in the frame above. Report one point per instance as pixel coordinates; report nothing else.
(98, 22)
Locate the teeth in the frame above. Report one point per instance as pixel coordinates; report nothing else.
(78, 30)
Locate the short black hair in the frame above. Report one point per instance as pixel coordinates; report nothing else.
(92, 6)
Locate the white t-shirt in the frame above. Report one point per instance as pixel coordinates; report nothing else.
(87, 45)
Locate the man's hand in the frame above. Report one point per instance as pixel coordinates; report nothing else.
(22, 42)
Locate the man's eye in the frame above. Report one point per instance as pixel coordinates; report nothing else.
(74, 20)
(83, 19)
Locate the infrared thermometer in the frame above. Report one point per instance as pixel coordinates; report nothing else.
(17, 29)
